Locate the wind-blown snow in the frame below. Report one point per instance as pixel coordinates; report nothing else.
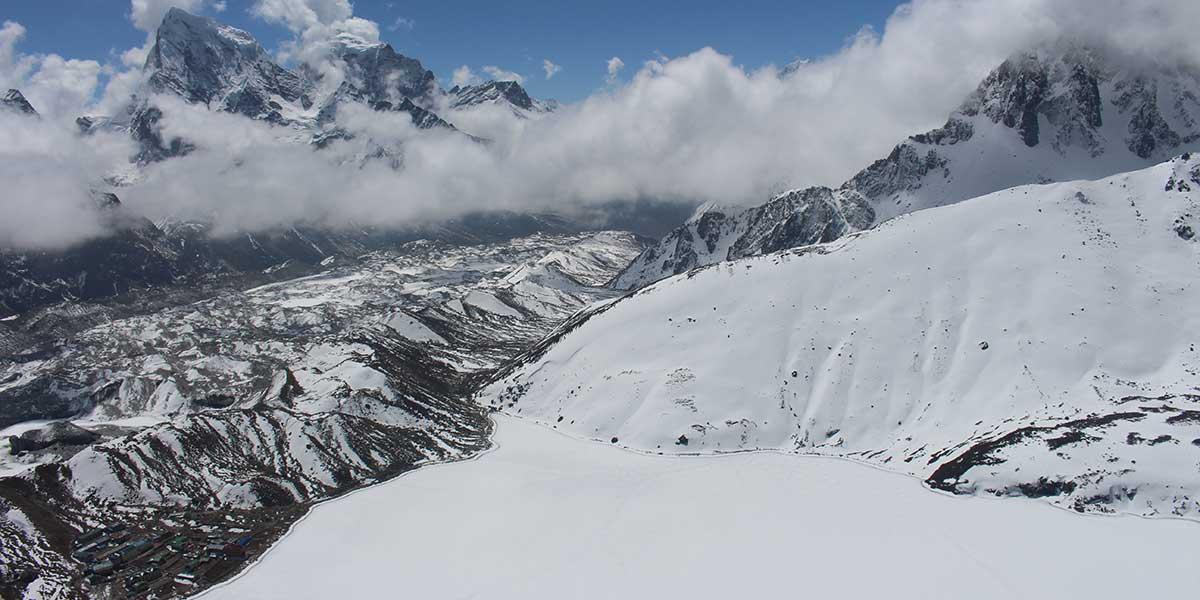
(547, 516)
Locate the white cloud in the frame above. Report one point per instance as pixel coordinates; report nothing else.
(299, 15)
(63, 87)
(464, 76)
(314, 23)
(147, 15)
(691, 128)
(13, 67)
(47, 170)
(550, 68)
(402, 24)
(220, 6)
(502, 74)
(55, 86)
(615, 64)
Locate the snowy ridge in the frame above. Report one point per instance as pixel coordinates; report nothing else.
(500, 93)
(999, 356)
(1059, 113)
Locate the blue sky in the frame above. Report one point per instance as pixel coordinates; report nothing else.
(515, 35)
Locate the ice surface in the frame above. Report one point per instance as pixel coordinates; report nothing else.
(548, 516)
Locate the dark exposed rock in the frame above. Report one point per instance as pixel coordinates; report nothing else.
(1184, 417)
(43, 398)
(1044, 488)
(948, 475)
(146, 131)
(62, 433)
(1012, 95)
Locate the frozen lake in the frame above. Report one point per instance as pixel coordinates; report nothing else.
(548, 516)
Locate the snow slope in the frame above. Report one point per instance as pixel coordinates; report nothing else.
(546, 516)
(1039, 341)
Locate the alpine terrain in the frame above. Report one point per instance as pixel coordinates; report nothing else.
(285, 313)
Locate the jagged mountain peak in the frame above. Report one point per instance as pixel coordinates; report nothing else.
(381, 73)
(492, 91)
(499, 93)
(206, 62)
(376, 75)
(15, 101)
(178, 23)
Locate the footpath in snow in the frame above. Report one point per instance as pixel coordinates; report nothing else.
(548, 516)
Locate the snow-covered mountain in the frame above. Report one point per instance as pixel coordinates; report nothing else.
(224, 68)
(240, 410)
(376, 75)
(13, 100)
(1038, 341)
(1056, 114)
(509, 94)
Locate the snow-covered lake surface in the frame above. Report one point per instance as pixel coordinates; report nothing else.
(548, 516)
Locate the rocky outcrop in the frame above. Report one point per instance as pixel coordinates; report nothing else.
(14, 101)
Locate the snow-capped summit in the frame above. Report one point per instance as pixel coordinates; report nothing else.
(13, 100)
(375, 73)
(1053, 114)
(1058, 113)
(224, 68)
(501, 93)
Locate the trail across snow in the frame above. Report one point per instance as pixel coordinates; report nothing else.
(549, 516)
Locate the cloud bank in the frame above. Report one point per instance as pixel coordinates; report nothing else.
(688, 129)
